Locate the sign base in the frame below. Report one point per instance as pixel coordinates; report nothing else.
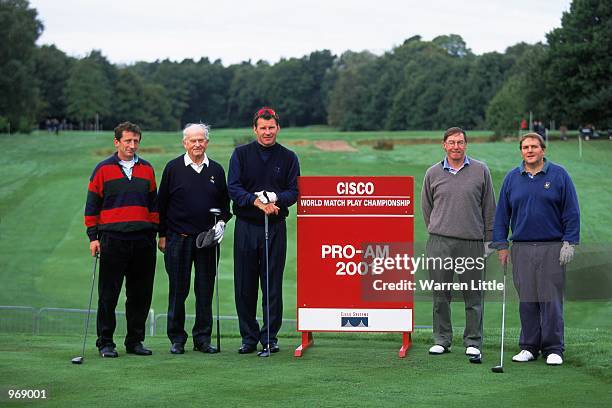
(308, 340)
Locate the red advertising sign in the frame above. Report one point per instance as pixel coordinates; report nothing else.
(354, 244)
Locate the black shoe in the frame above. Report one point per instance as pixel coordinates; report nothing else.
(138, 349)
(205, 348)
(108, 352)
(246, 349)
(177, 348)
(273, 347)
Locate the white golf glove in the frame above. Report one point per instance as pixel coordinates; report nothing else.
(487, 249)
(567, 253)
(219, 231)
(266, 196)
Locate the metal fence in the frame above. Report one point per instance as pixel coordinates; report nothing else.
(56, 320)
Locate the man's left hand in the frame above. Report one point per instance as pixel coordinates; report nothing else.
(487, 249)
(266, 197)
(219, 231)
(567, 253)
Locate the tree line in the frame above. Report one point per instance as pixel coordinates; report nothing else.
(416, 85)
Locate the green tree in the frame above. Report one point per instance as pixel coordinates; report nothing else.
(207, 92)
(349, 96)
(507, 108)
(453, 44)
(141, 103)
(578, 66)
(245, 92)
(89, 92)
(52, 67)
(19, 30)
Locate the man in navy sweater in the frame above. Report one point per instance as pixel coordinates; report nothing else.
(262, 181)
(191, 185)
(538, 201)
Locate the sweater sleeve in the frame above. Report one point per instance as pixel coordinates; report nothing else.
(426, 199)
(93, 205)
(226, 215)
(289, 196)
(237, 192)
(570, 216)
(162, 200)
(503, 214)
(152, 198)
(488, 205)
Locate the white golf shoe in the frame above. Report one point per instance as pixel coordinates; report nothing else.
(438, 349)
(472, 351)
(523, 356)
(554, 359)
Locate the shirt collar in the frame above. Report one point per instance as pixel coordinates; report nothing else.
(446, 166)
(116, 155)
(189, 162)
(544, 169)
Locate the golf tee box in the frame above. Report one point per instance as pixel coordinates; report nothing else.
(354, 237)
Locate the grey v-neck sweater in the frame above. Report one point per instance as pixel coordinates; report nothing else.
(459, 205)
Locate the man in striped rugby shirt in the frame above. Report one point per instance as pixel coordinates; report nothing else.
(122, 219)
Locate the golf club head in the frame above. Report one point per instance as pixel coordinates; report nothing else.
(206, 239)
(497, 369)
(476, 359)
(264, 353)
(77, 360)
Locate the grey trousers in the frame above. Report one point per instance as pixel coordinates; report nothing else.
(539, 281)
(444, 248)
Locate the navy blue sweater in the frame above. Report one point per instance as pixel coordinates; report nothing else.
(542, 208)
(252, 168)
(186, 196)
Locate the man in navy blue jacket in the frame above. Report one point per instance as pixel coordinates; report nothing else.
(262, 181)
(191, 185)
(538, 201)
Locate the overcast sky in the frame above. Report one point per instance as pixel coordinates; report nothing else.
(234, 31)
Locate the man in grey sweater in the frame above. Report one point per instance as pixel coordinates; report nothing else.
(458, 204)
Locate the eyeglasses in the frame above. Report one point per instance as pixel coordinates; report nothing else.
(459, 143)
(266, 111)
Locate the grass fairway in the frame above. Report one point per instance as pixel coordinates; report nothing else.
(359, 370)
(44, 262)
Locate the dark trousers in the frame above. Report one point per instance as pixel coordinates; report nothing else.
(250, 271)
(181, 253)
(134, 260)
(446, 247)
(539, 281)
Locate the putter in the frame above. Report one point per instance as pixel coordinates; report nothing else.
(79, 359)
(478, 359)
(216, 212)
(500, 368)
(266, 352)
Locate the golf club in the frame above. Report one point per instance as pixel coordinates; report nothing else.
(500, 368)
(266, 352)
(478, 358)
(216, 212)
(79, 359)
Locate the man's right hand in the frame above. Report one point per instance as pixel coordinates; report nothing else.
(94, 247)
(268, 209)
(503, 255)
(161, 244)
